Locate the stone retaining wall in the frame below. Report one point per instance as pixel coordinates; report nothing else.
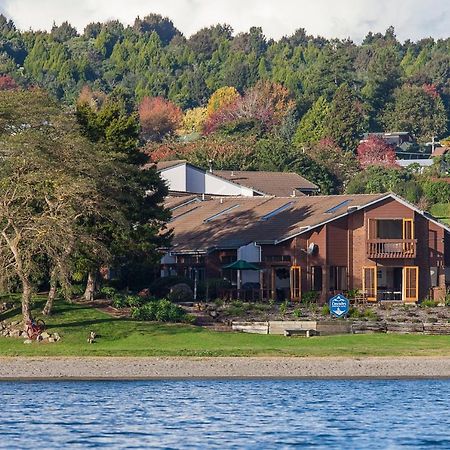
(333, 327)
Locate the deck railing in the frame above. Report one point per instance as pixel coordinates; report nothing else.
(391, 248)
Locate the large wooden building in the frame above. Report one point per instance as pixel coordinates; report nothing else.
(378, 244)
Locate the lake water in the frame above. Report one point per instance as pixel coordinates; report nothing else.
(225, 414)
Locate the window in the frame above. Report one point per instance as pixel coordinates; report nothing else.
(296, 282)
(316, 278)
(277, 258)
(277, 211)
(190, 259)
(389, 229)
(338, 206)
(410, 284)
(215, 216)
(338, 278)
(370, 283)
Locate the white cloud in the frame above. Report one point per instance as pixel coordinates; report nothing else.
(412, 19)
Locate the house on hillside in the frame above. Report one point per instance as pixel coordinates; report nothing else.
(379, 244)
(182, 176)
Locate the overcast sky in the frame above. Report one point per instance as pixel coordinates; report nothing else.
(413, 19)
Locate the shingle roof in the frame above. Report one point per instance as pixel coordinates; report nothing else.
(161, 165)
(231, 222)
(440, 151)
(280, 184)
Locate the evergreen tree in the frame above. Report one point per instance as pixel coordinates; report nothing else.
(417, 110)
(313, 125)
(346, 122)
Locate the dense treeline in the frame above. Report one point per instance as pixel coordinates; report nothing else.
(243, 101)
(394, 84)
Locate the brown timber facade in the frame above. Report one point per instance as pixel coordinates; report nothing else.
(380, 246)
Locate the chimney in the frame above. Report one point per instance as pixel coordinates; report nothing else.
(293, 192)
(210, 165)
(232, 173)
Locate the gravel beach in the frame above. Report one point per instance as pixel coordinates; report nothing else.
(124, 368)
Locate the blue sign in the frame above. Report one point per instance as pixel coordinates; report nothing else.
(339, 305)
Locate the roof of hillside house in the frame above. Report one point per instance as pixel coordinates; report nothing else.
(162, 165)
(440, 151)
(231, 222)
(280, 184)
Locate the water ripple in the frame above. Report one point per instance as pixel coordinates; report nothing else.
(225, 414)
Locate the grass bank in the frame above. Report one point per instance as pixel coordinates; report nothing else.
(121, 337)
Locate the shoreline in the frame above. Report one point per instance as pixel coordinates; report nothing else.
(217, 368)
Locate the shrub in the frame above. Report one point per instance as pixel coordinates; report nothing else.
(133, 301)
(284, 307)
(108, 292)
(119, 300)
(310, 297)
(297, 313)
(161, 286)
(181, 292)
(325, 310)
(77, 289)
(428, 303)
(160, 311)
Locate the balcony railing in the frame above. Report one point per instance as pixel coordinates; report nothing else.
(391, 248)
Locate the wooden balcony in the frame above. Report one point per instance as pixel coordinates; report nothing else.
(391, 248)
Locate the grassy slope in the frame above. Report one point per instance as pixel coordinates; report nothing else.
(441, 211)
(120, 337)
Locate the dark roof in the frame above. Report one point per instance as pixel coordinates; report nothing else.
(231, 222)
(280, 184)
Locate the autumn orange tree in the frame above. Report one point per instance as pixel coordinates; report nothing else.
(158, 118)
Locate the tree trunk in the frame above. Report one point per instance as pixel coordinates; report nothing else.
(26, 301)
(51, 294)
(90, 286)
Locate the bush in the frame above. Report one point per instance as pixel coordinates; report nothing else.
(428, 303)
(108, 292)
(77, 290)
(325, 310)
(310, 297)
(181, 292)
(119, 300)
(161, 287)
(160, 311)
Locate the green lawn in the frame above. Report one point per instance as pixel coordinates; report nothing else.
(119, 337)
(441, 211)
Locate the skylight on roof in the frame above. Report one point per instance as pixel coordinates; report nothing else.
(277, 211)
(194, 200)
(184, 213)
(338, 206)
(215, 216)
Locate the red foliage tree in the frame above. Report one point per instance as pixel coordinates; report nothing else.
(7, 83)
(376, 152)
(158, 117)
(267, 103)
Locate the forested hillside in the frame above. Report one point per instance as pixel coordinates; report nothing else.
(242, 101)
(152, 58)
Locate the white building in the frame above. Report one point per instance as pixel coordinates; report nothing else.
(182, 176)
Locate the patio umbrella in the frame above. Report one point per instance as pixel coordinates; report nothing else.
(241, 265)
